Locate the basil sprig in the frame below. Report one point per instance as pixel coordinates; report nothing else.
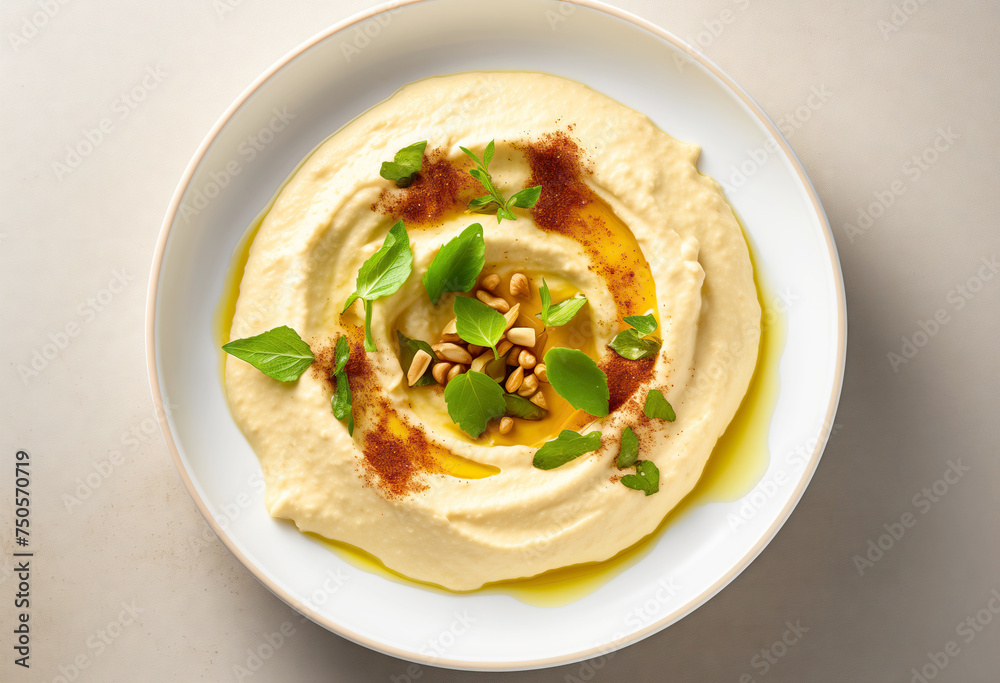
(562, 312)
(279, 353)
(342, 400)
(494, 201)
(383, 274)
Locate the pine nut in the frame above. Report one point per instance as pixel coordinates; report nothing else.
(522, 336)
(512, 358)
(455, 371)
(515, 379)
(440, 372)
(541, 373)
(452, 352)
(490, 282)
(450, 331)
(528, 386)
(418, 366)
(519, 286)
(475, 350)
(526, 359)
(506, 424)
(496, 302)
(504, 346)
(511, 316)
(539, 400)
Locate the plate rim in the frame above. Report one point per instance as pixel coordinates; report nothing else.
(542, 662)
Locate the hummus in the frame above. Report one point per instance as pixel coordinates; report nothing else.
(625, 218)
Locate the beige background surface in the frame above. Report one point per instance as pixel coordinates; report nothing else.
(118, 539)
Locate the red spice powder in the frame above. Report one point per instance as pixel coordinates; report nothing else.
(435, 191)
(625, 376)
(390, 463)
(555, 165)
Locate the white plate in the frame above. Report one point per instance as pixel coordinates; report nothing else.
(331, 79)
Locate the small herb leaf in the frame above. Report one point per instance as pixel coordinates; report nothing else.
(645, 324)
(575, 376)
(407, 350)
(341, 354)
(494, 201)
(569, 445)
(519, 406)
(279, 353)
(473, 400)
(629, 451)
(457, 264)
(657, 407)
(562, 312)
(484, 204)
(341, 401)
(405, 166)
(629, 345)
(477, 323)
(526, 198)
(646, 479)
(383, 274)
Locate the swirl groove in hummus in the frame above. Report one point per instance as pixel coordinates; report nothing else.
(650, 232)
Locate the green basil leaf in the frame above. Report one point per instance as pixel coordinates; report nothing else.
(457, 264)
(646, 479)
(546, 296)
(488, 153)
(629, 451)
(526, 198)
(519, 406)
(407, 350)
(341, 354)
(341, 401)
(383, 274)
(279, 353)
(484, 204)
(473, 400)
(644, 324)
(406, 164)
(504, 212)
(569, 445)
(564, 311)
(387, 269)
(657, 407)
(477, 323)
(494, 201)
(575, 376)
(628, 344)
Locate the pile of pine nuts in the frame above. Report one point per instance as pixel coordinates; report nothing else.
(520, 344)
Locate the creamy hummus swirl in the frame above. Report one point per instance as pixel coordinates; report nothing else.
(456, 531)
